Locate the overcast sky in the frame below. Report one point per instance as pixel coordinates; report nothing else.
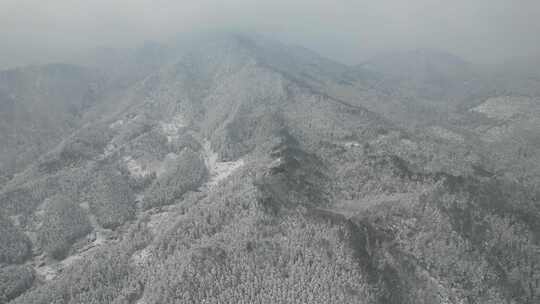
(36, 31)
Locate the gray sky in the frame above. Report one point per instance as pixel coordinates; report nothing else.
(37, 31)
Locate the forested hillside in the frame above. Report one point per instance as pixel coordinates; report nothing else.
(247, 171)
(38, 107)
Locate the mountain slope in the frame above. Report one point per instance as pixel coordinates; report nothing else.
(39, 106)
(239, 174)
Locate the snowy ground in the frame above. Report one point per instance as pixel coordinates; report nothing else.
(446, 134)
(163, 218)
(218, 170)
(141, 168)
(507, 107)
(158, 218)
(351, 144)
(49, 269)
(172, 128)
(350, 208)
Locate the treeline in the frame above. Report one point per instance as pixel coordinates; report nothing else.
(63, 223)
(15, 247)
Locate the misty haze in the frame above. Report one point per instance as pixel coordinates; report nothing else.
(156, 152)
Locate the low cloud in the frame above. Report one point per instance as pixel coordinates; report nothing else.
(35, 31)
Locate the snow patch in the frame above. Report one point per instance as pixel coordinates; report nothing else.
(506, 107)
(140, 257)
(16, 220)
(351, 144)
(497, 133)
(46, 271)
(116, 124)
(137, 168)
(172, 128)
(70, 260)
(352, 207)
(109, 149)
(141, 168)
(446, 134)
(218, 170)
(409, 144)
(49, 269)
(222, 170)
(159, 220)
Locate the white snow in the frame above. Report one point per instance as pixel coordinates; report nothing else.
(84, 205)
(70, 260)
(161, 218)
(446, 134)
(137, 168)
(218, 170)
(134, 167)
(351, 207)
(496, 133)
(408, 144)
(140, 257)
(514, 113)
(351, 144)
(99, 233)
(109, 149)
(506, 107)
(116, 124)
(142, 168)
(141, 301)
(15, 219)
(46, 271)
(49, 269)
(172, 128)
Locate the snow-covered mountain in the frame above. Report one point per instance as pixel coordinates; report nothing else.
(236, 169)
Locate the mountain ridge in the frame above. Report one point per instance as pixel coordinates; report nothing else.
(231, 175)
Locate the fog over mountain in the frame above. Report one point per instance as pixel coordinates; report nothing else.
(260, 152)
(484, 31)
